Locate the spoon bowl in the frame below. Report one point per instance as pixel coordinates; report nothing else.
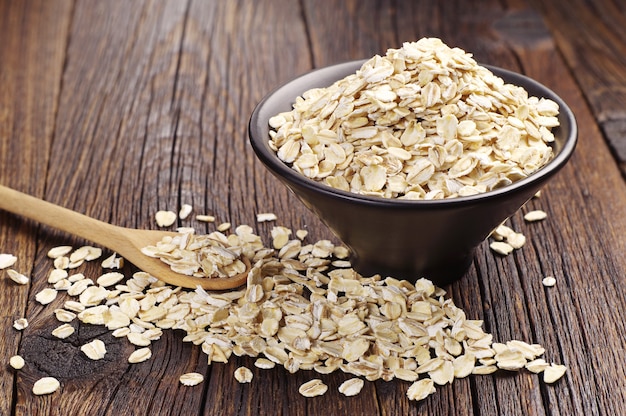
(127, 242)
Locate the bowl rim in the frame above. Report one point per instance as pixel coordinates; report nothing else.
(261, 147)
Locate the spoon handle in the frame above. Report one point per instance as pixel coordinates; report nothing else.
(55, 216)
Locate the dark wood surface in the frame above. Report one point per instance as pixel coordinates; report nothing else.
(118, 109)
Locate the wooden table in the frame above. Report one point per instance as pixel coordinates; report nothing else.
(118, 109)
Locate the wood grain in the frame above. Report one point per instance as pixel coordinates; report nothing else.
(592, 39)
(32, 64)
(144, 106)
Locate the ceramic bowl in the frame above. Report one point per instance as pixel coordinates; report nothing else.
(401, 238)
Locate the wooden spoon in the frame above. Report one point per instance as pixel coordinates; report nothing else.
(127, 242)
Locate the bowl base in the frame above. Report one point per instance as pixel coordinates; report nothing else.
(441, 275)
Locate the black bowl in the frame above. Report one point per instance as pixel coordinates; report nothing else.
(406, 238)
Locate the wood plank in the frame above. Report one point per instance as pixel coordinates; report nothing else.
(119, 62)
(34, 36)
(592, 39)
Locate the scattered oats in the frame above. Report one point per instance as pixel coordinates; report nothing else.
(536, 215)
(95, 349)
(549, 281)
(63, 284)
(46, 385)
(211, 218)
(17, 362)
(165, 218)
(303, 308)
(510, 359)
(46, 296)
(301, 234)
(553, 373)
(93, 253)
(63, 331)
(421, 389)
(313, 388)
(7, 260)
(516, 240)
(191, 379)
(113, 262)
(62, 262)
(484, 369)
(18, 278)
(140, 355)
(109, 279)
(121, 332)
(264, 363)
(243, 375)
(76, 277)
(501, 232)
(59, 251)
(280, 236)
(501, 247)
(464, 365)
(537, 366)
(64, 316)
(223, 226)
(72, 305)
(93, 295)
(138, 339)
(341, 252)
(351, 387)
(184, 212)
(265, 217)
(80, 254)
(57, 275)
(79, 287)
(93, 315)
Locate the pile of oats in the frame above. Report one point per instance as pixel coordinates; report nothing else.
(422, 122)
(213, 255)
(303, 308)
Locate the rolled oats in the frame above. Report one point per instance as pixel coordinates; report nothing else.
(113, 262)
(549, 281)
(536, 215)
(59, 251)
(165, 218)
(191, 379)
(422, 122)
(537, 366)
(264, 363)
(17, 362)
(553, 373)
(95, 350)
(265, 217)
(421, 389)
(210, 218)
(140, 355)
(313, 388)
(109, 279)
(243, 375)
(351, 387)
(184, 212)
(20, 324)
(17, 277)
(7, 260)
(64, 316)
(501, 247)
(56, 275)
(46, 385)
